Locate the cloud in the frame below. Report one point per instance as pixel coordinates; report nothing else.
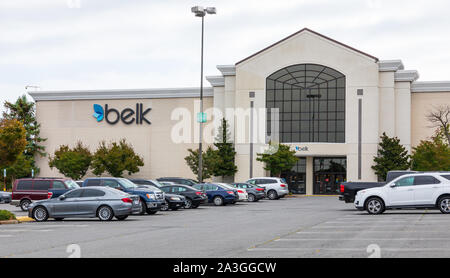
(142, 43)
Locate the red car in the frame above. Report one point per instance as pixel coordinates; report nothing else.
(26, 191)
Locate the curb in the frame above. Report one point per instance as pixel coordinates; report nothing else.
(21, 219)
(302, 196)
(4, 222)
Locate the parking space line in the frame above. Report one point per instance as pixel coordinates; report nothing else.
(362, 249)
(363, 231)
(6, 235)
(359, 239)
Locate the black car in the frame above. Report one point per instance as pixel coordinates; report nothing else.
(193, 196)
(177, 180)
(255, 193)
(172, 201)
(5, 197)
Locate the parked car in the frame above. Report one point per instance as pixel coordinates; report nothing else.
(151, 201)
(275, 187)
(26, 191)
(172, 201)
(96, 201)
(420, 190)
(5, 197)
(242, 193)
(80, 183)
(176, 180)
(167, 183)
(217, 194)
(348, 190)
(193, 196)
(255, 193)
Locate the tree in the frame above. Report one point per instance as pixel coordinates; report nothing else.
(440, 117)
(72, 163)
(12, 141)
(279, 160)
(115, 159)
(432, 155)
(391, 156)
(24, 111)
(20, 169)
(209, 157)
(224, 165)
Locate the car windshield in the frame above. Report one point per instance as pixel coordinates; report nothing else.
(71, 184)
(157, 183)
(127, 184)
(153, 188)
(226, 186)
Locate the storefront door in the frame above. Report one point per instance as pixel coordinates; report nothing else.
(329, 173)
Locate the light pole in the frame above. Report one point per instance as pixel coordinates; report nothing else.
(201, 12)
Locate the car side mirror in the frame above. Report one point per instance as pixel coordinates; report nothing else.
(393, 185)
(62, 197)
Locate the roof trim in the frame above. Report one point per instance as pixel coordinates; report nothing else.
(430, 86)
(315, 33)
(227, 70)
(120, 94)
(216, 80)
(406, 75)
(390, 65)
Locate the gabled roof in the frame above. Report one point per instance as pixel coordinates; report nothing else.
(313, 32)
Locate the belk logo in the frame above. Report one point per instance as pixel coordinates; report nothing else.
(126, 115)
(98, 112)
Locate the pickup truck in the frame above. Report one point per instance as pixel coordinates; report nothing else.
(348, 189)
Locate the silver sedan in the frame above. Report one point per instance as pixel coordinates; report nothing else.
(95, 201)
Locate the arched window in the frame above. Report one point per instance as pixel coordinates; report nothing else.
(311, 102)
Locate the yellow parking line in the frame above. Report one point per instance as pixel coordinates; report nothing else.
(24, 219)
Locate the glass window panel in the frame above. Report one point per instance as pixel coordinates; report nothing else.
(287, 94)
(331, 126)
(286, 126)
(316, 68)
(304, 126)
(287, 107)
(340, 126)
(270, 104)
(278, 85)
(304, 137)
(270, 84)
(331, 137)
(295, 127)
(287, 116)
(323, 106)
(296, 116)
(304, 106)
(340, 115)
(340, 105)
(322, 137)
(295, 137)
(341, 83)
(340, 93)
(279, 95)
(332, 84)
(323, 126)
(296, 94)
(331, 105)
(270, 95)
(340, 137)
(295, 106)
(323, 116)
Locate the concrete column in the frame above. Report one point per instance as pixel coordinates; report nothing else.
(309, 175)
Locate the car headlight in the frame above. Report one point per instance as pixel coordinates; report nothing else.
(174, 198)
(151, 196)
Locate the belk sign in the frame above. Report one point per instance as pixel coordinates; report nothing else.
(127, 115)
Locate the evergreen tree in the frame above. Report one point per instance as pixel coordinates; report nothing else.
(224, 165)
(24, 111)
(277, 159)
(391, 156)
(209, 161)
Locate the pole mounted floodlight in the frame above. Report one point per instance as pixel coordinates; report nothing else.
(199, 11)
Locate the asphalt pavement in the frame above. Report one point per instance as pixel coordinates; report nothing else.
(289, 227)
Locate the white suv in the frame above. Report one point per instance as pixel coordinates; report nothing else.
(421, 190)
(275, 188)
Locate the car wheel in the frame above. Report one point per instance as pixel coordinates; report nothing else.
(24, 204)
(251, 198)
(272, 194)
(194, 206)
(188, 204)
(120, 218)
(165, 207)
(40, 214)
(59, 219)
(151, 211)
(375, 206)
(105, 213)
(444, 204)
(143, 207)
(218, 201)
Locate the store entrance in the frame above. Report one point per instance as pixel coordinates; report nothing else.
(329, 173)
(296, 177)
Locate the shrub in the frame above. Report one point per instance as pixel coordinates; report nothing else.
(6, 215)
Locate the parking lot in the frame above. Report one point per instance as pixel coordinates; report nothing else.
(290, 227)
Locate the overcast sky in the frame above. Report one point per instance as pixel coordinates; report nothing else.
(105, 44)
